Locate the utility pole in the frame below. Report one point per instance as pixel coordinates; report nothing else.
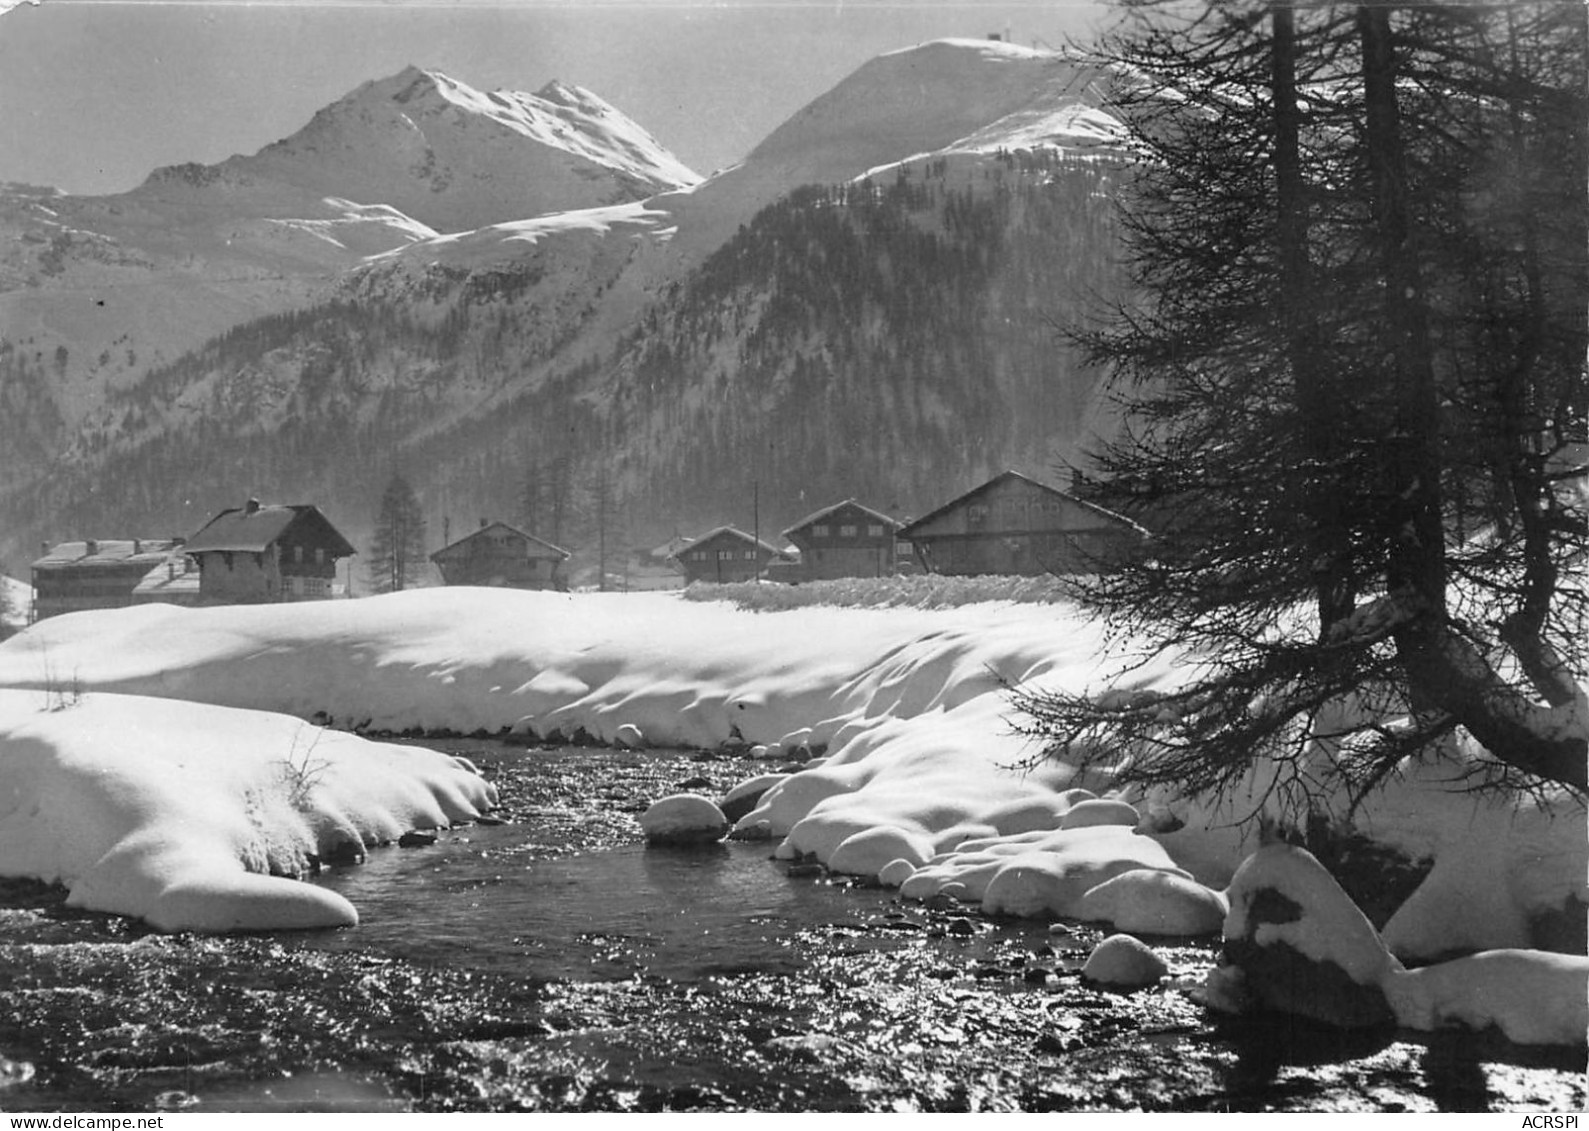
(755, 522)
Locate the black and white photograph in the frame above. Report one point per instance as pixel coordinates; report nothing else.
(793, 557)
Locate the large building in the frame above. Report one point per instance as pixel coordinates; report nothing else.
(98, 573)
(504, 556)
(254, 554)
(1015, 525)
(727, 554)
(845, 540)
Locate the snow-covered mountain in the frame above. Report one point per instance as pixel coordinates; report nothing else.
(629, 327)
(126, 282)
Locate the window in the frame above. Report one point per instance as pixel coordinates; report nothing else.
(297, 554)
(319, 556)
(820, 530)
(874, 530)
(725, 555)
(847, 530)
(750, 555)
(977, 514)
(697, 555)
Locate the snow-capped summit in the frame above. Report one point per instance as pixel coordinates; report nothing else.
(944, 97)
(452, 157)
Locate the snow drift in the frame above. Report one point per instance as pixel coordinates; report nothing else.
(195, 817)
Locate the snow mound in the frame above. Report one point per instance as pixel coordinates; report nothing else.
(192, 817)
(1152, 902)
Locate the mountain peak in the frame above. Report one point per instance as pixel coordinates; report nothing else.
(454, 158)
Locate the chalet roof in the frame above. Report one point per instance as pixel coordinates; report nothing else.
(490, 526)
(891, 523)
(737, 534)
(254, 528)
(107, 553)
(961, 500)
(173, 575)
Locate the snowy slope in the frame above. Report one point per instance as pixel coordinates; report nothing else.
(945, 97)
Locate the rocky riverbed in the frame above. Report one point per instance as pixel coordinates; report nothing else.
(812, 994)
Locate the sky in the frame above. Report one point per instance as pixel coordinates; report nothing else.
(94, 94)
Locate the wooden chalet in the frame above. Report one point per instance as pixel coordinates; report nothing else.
(97, 573)
(727, 554)
(256, 553)
(1015, 525)
(502, 556)
(845, 540)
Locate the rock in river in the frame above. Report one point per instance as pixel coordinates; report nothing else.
(1122, 962)
(684, 819)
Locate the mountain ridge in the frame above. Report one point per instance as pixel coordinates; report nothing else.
(460, 353)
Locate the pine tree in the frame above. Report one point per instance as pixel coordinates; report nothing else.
(398, 549)
(1355, 381)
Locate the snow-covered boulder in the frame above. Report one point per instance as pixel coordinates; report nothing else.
(1296, 943)
(1100, 811)
(1301, 945)
(747, 795)
(684, 819)
(1051, 879)
(1125, 963)
(1533, 997)
(895, 873)
(868, 852)
(1151, 902)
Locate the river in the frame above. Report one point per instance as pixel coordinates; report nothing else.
(553, 963)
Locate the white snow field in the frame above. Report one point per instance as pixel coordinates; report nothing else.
(920, 785)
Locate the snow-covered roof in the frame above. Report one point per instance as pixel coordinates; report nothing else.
(1004, 476)
(117, 553)
(556, 550)
(818, 516)
(174, 577)
(737, 534)
(254, 527)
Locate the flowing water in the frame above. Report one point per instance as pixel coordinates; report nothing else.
(552, 962)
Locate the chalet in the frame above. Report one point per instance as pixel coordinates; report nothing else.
(502, 556)
(1015, 525)
(727, 554)
(94, 574)
(845, 540)
(255, 554)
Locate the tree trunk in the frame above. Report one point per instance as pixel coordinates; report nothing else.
(1336, 597)
(1444, 671)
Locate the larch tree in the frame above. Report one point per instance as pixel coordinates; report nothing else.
(397, 551)
(1352, 373)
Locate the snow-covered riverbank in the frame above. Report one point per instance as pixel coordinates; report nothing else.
(919, 785)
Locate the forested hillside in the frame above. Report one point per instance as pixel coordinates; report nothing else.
(895, 340)
(892, 341)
